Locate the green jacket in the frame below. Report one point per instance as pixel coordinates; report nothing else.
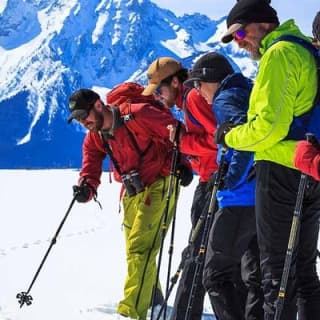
(285, 86)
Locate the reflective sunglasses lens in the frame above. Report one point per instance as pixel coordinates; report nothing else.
(239, 34)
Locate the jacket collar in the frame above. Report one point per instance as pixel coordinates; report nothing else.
(289, 28)
(235, 80)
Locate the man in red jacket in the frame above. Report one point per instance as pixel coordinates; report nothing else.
(136, 138)
(166, 76)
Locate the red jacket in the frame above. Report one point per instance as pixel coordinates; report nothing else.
(149, 130)
(200, 128)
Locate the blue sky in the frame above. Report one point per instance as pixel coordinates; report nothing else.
(302, 11)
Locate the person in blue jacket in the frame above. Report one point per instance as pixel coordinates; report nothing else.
(232, 239)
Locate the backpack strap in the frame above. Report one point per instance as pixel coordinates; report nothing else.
(187, 111)
(304, 43)
(136, 146)
(105, 138)
(301, 124)
(127, 115)
(308, 46)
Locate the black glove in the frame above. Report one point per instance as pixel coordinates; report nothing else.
(185, 174)
(223, 129)
(83, 193)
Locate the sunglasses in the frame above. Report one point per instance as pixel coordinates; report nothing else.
(240, 34)
(83, 115)
(197, 85)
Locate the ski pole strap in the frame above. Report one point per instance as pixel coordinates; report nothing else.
(93, 190)
(95, 198)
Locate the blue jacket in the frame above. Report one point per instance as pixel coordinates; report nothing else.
(230, 103)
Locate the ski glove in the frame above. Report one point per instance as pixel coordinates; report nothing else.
(307, 159)
(84, 192)
(222, 130)
(185, 174)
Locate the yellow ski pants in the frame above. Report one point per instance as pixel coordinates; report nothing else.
(143, 225)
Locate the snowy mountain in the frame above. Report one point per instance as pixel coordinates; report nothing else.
(49, 48)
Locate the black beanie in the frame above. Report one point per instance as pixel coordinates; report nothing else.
(316, 27)
(249, 11)
(211, 67)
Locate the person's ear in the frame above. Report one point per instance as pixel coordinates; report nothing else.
(99, 105)
(316, 43)
(175, 82)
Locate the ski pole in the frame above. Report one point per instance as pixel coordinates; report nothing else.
(24, 297)
(172, 179)
(205, 234)
(295, 225)
(171, 246)
(185, 256)
(169, 286)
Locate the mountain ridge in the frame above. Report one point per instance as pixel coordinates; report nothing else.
(57, 46)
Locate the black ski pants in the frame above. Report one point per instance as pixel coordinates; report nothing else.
(232, 241)
(200, 206)
(276, 193)
(251, 277)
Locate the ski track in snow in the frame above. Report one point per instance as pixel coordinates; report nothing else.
(26, 245)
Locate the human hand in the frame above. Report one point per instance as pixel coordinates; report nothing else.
(173, 131)
(307, 159)
(83, 193)
(185, 174)
(222, 130)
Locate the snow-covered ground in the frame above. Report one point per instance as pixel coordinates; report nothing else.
(85, 269)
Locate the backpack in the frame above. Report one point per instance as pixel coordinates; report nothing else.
(125, 97)
(126, 93)
(309, 122)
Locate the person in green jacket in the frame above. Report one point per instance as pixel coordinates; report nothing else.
(285, 87)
